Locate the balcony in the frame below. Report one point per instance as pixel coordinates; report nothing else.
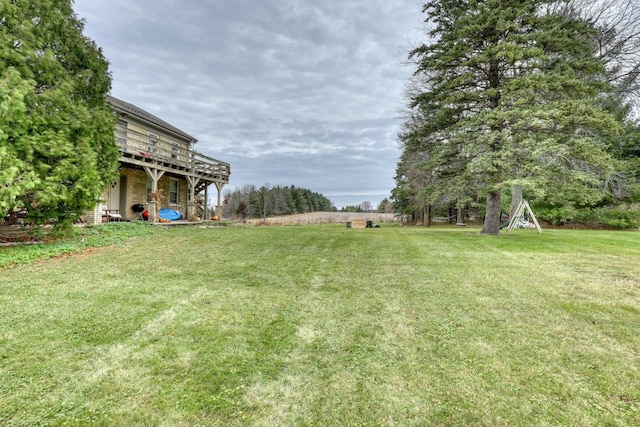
(140, 150)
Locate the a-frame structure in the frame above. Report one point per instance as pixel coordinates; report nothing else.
(518, 217)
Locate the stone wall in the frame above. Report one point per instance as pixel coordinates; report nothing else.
(136, 192)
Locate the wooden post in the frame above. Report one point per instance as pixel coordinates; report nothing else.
(192, 181)
(191, 203)
(219, 187)
(533, 217)
(152, 210)
(155, 175)
(206, 203)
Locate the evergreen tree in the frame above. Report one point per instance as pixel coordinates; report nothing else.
(385, 206)
(274, 201)
(241, 210)
(291, 203)
(57, 149)
(506, 95)
(302, 206)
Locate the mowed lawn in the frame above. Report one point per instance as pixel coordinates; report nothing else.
(327, 326)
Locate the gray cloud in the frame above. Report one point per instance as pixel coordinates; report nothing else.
(290, 92)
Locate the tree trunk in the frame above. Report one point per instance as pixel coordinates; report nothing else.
(516, 199)
(460, 216)
(492, 217)
(426, 215)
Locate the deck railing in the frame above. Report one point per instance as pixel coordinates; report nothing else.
(169, 154)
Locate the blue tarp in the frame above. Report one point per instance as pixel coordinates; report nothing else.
(170, 214)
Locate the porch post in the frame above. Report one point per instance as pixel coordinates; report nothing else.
(192, 181)
(152, 210)
(155, 175)
(191, 203)
(219, 186)
(152, 205)
(206, 203)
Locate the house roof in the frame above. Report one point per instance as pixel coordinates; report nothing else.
(132, 110)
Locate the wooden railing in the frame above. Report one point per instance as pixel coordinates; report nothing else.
(144, 149)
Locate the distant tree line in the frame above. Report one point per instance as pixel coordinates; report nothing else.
(385, 206)
(267, 201)
(362, 207)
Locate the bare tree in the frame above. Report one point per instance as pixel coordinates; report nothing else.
(616, 42)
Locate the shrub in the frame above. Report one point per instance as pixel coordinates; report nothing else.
(605, 217)
(608, 218)
(556, 215)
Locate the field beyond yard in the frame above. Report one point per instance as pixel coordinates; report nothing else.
(320, 325)
(314, 218)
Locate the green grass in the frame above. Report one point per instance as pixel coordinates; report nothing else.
(74, 240)
(323, 325)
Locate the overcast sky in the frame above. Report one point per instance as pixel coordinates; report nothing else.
(289, 92)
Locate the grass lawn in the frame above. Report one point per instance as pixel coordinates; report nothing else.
(327, 326)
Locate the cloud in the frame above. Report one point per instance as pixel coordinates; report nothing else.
(289, 92)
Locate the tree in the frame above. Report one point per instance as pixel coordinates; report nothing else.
(260, 201)
(616, 41)
(385, 206)
(506, 94)
(241, 210)
(57, 149)
(279, 204)
(301, 203)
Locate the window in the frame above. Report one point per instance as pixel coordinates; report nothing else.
(173, 191)
(121, 132)
(121, 136)
(152, 146)
(175, 150)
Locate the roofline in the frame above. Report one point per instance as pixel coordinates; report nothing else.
(127, 108)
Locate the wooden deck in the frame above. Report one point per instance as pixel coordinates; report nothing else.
(172, 159)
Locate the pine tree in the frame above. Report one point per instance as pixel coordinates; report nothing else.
(506, 94)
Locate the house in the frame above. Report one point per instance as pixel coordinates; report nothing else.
(157, 158)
